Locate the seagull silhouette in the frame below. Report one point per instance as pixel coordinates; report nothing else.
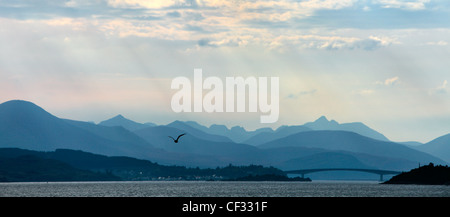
(176, 140)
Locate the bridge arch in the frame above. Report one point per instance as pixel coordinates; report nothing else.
(375, 171)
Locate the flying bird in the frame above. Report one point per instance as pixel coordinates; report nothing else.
(176, 140)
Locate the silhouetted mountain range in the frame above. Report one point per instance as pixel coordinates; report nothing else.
(324, 160)
(263, 135)
(130, 125)
(198, 143)
(70, 165)
(198, 133)
(424, 175)
(29, 168)
(25, 125)
(236, 133)
(350, 141)
(315, 144)
(281, 132)
(323, 124)
(439, 147)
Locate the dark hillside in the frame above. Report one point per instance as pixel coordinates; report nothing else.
(425, 175)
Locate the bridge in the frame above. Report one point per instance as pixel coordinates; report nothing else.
(379, 172)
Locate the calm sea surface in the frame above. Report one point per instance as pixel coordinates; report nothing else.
(220, 189)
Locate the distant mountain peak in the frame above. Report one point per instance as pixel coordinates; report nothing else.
(119, 116)
(238, 129)
(324, 124)
(20, 103)
(322, 119)
(23, 108)
(120, 120)
(218, 127)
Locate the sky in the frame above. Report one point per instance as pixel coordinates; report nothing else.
(382, 62)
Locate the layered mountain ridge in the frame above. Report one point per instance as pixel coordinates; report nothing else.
(312, 145)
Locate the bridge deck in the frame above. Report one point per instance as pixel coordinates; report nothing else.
(306, 171)
(375, 171)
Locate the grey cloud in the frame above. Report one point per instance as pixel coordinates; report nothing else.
(376, 17)
(196, 16)
(24, 10)
(148, 17)
(235, 42)
(173, 14)
(193, 28)
(301, 93)
(205, 43)
(258, 23)
(185, 4)
(364, 44)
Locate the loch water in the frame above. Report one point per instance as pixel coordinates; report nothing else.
(220, 189)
